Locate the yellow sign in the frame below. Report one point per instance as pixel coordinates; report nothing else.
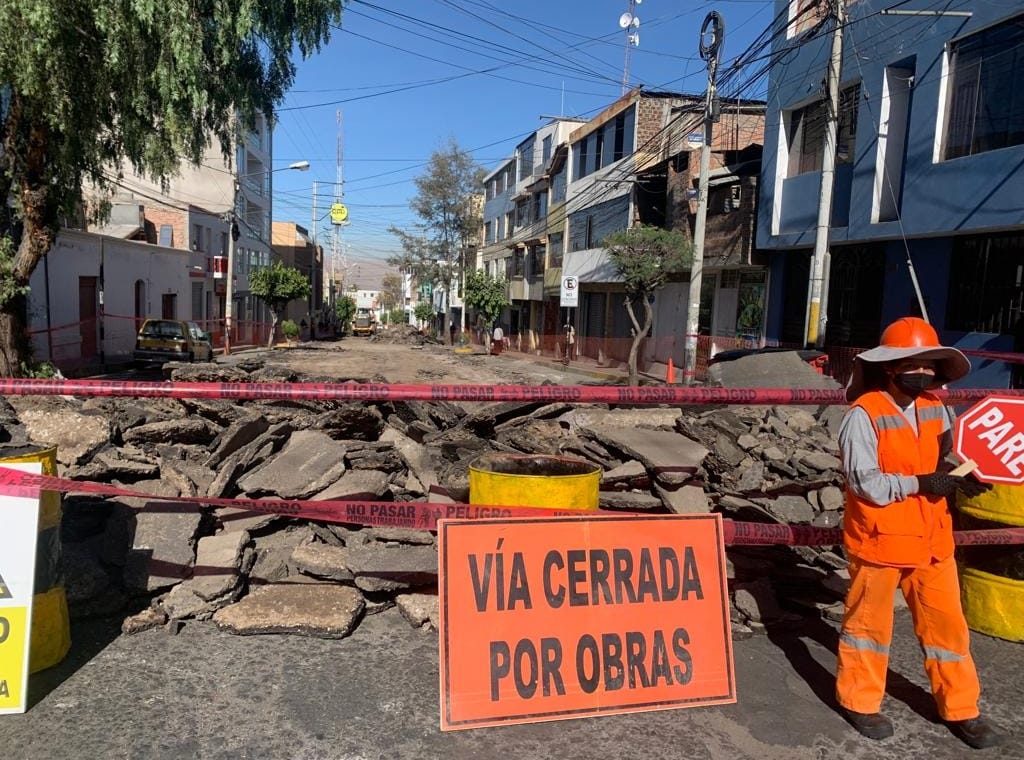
(18, 542)
(339, 213)
(13, 626)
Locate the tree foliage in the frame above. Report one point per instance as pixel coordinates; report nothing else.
(277, 286)
(88, 86)
(423, 311)
(645, 257)
(392, 291)
(487, 294)
(450, 211)
(344, 310)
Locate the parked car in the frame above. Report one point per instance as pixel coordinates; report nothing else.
(171, 340)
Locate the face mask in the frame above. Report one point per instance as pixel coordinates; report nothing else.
(912, 383)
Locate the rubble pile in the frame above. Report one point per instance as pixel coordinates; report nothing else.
(401, 334)
(258, 573)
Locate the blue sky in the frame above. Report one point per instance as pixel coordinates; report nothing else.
(386, 45)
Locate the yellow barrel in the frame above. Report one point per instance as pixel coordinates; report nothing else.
(992, 577)
(534, 480)
(51, 625)
(1004, 504)
(993, 605)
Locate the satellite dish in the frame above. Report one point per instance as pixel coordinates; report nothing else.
(634, 39)
(636, 21)
(625, 20)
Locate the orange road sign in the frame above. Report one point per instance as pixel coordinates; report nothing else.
(552, 618)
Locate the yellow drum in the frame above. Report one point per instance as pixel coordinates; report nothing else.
(992, 577)
(992, 604)
(51, 625)
(532, 480)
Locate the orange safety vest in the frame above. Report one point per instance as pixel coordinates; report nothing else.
(919, 529)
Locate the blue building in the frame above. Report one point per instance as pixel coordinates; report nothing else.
(929, 172)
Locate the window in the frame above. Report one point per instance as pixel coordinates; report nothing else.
(805, 15)
(545, 150)
(599, 150)
(556, 244)
(518, 263)
(197, 237)
(526, 160)
(488, 232)
(536, 264)
(522, 213)
(723, 199)
(985, 109)
(510, 176)
(509, 222)
(986, 284)
(223, 243)
(620, 137)
(499, 184)
(167, 235)
(581, 159)
(589, 237)
(489, 190)
(807, 133)
(540, 206)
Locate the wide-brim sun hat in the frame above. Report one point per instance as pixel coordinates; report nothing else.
(907, 338)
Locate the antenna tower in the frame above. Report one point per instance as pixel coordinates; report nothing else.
(629, 22)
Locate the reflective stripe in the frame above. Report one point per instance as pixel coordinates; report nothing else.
(928, 413)
(890, 422)
(942, 655)
(864, 645)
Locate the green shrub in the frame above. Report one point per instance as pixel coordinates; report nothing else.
(289, 329)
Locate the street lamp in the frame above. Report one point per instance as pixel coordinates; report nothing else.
(233, 234)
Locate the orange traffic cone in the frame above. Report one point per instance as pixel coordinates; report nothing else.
(670, 373)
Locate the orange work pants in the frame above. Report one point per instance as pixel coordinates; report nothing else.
(933, 595)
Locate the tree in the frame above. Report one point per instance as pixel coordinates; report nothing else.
(645, 257)
(450, 210)
(424, 312)
(89, 86)
(488, 295)
(277, 286)
(344, 310)
(392, 291)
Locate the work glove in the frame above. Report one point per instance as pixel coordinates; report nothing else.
(943, 484)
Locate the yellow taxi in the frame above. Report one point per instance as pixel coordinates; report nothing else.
(171, 340)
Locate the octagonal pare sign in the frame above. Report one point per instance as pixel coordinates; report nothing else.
(991, 434)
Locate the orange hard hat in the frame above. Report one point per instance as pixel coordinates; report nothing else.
(910, 332)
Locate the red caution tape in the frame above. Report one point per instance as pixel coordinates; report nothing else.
(421, 515)
(617, 394)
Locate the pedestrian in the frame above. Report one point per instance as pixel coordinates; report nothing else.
(898, 531)
(570, 340)
(497, 338)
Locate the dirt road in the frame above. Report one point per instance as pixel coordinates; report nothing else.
(402, 362)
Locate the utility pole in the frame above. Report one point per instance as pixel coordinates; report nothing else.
(712, 34)
(817, 301)
(312, 259)
(229, 285)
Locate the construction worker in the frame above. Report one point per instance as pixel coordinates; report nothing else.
(898, 531)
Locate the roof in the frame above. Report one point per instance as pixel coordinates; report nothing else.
(122, 231)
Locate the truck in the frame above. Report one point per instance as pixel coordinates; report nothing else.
(365, 320)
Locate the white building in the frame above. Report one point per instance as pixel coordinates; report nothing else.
(91, 292)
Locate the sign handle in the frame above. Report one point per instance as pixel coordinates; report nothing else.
(965, 469)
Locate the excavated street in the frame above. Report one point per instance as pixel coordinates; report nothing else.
(185, 686)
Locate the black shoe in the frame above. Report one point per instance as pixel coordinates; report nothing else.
(975, 732)
(871, 725)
